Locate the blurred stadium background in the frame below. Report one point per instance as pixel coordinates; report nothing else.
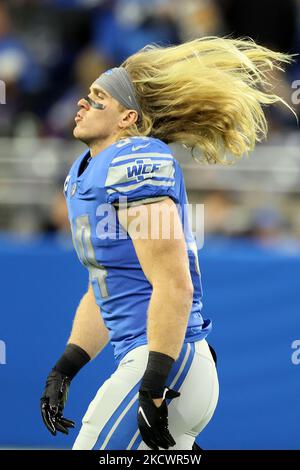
(50, 52)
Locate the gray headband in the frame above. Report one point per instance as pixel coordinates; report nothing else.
(118, 84)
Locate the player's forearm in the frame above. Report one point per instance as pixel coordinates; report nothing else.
(89, 331)
(168, 315)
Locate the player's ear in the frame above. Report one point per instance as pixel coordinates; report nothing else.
(128, 118)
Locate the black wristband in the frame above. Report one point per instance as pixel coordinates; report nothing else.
(156, 374)
(72, 360)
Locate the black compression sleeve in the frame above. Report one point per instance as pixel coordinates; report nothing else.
(156, 374)
(72, 360)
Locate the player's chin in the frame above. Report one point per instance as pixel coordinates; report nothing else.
(78, 133)
(82, 134)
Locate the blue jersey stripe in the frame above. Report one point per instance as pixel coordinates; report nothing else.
(133, 158)
(115, 416)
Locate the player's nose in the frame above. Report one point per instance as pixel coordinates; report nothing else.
(83, 103)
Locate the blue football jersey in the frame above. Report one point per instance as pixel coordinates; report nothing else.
(132, 171)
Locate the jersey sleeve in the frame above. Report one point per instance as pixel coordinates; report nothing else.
(141, 174)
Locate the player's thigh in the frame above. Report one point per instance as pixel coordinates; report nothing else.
(199, 394)
(196, 379)
(110, 420)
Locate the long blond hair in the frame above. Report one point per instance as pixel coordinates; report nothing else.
(207, 94)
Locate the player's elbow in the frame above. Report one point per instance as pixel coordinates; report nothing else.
(187, 290)
(184, 283)
(182, 292)
(181, 287)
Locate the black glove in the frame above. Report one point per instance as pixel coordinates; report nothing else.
(153, 421)
(57, 387)
(53, 402)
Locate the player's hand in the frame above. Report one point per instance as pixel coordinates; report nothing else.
(53, 402)
(153, 420)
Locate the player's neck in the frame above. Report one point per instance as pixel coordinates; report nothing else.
(100, 145)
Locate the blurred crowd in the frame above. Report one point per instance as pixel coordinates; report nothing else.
(271, 222)
(52, 50)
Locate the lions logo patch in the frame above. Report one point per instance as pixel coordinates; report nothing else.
(73, 189)
(66, 183)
